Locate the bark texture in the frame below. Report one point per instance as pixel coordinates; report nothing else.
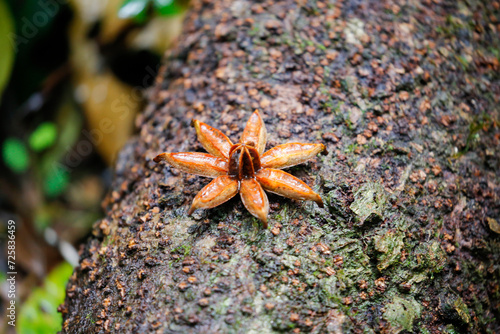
(405, 96)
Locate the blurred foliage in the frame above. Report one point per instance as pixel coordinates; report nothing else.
(49, 146)
(40, 44)
(43, 137)
(170, 7)
(7, 54)
(115, 64)
(39, 314)
(138, 9)
(56, 181)
(110, 67)
(71, 80)
(15, 155)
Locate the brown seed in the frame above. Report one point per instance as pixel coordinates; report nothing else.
(436, 170)
(269, 306)
(273, 24)
(331, 55)
(372, 127)
(257, 9)
(404, 96)
(198, 106)
(221, 30)
(106, 302)
(323, 248)
(380, 284)
(277, 250)
(363, 72)
(424, 105)
(406, 286)
(253, 92)
(141, 274)
(446, 236)
(275, 54)
(132, 244)
(361, 140)
(356, 59)
(239, 53)
(347, 300)
(104, 226)
(264, 103)
(246, 310)
(86, 264)
(449, 248)
(338, 260)
(330, 136)
(220, 73)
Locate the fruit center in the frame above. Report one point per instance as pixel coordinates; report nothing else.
(244, 161)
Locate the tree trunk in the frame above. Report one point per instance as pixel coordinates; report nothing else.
(405, 97)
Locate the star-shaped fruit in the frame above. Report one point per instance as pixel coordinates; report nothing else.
(245, 168)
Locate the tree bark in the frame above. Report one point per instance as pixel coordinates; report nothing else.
(405, 96)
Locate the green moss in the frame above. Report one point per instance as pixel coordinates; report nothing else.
(453, 308)
(369, 202)
(401, 313)
(429, 257)
(462, 310)
(184, 250)
(389, 244)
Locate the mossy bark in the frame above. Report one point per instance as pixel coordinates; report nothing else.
(404, 95)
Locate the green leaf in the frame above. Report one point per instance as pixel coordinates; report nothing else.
(56, 181)
(43, 137)
(6, 45)
(134, 9)
(162, 3)
(15, 155)
(38, 314)
(168, 7)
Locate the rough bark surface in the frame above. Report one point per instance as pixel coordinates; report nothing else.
(405, 96)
